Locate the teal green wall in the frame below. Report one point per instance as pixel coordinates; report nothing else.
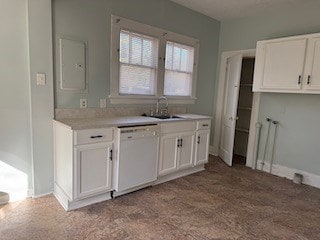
(40, 59)
(298, 144)
(90, 21)
(26, 110)
(15, 133)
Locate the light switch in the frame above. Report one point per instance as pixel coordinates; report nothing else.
(41, 79)
(83, 103)
(103, 103)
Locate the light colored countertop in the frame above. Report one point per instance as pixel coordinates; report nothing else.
(90, 123)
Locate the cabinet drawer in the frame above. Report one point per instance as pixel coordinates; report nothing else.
(178, 127)
(204, 124)
(93, 136)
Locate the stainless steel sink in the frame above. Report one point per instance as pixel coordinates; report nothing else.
(166, 117)
(163, 116)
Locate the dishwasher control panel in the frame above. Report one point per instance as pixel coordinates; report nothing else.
(133, 132)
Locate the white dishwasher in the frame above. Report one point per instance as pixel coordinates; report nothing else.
(136, 164)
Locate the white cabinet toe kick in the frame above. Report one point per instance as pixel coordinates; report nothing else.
(94, 165)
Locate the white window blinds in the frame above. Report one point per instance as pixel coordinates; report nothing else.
(138, 63)
(178, 69)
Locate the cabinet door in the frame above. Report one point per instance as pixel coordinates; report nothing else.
(313, 65)
(202, 147)
(93, 169)
(168, 156)
(283, 64)
(186, 150)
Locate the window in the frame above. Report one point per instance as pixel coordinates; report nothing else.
(178, 70)
(148, 62)
(138, 63)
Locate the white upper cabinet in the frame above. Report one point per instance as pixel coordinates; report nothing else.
(312, 73)
(288, 65)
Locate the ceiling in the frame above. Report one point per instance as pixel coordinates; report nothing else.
(230, 9)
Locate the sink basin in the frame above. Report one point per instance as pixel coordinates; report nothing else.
(163, 116)
(166, 117)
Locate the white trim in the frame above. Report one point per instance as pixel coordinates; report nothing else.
(220, 105)
(211, 151)
(41, 195)
(118, 23)
(179, 174)
(68, 205)
(286, 172)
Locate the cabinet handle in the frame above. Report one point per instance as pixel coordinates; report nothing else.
(111, 155)
(299, 80)
(178, 143)
(205, 125)
(309, 78)
(98, 136)
(181, 141)
(198, 139)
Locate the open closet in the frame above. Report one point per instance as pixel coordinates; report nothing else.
(243, 111)
(237, 109)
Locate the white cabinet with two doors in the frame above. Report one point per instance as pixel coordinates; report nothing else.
(183, 145)
(289, 65)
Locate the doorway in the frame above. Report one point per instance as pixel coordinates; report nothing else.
(237, 109)
(244, 108)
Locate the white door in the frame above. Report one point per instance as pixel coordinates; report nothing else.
(168, 156)
(313, 65)
(186, 150)
(284, 63)
(202, 147)
(230, 108)
(93, 169)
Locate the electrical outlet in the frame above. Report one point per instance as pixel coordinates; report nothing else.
(83, 103)
(41, 79)
(103, 103)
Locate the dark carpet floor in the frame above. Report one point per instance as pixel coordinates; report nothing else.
(219, 203)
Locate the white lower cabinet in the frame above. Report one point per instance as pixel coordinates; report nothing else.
(202, 147)
(168, 156)
(186, 150)
(176, 147)
(176, 152)
(82, 165)
(93, 164)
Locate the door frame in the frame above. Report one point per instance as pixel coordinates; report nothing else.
(220, 106)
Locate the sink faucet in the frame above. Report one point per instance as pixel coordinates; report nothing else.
(158, 111)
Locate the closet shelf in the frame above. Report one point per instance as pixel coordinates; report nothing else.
(242, 130)
(246, 85)
(245, 108)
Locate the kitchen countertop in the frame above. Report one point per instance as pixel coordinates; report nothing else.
(90, 123)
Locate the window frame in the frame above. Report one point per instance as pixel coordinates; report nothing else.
(118, 24)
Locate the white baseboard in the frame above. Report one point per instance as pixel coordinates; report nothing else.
(42, 195)
(29, 193)
(282, 171)
(179, 174)
(212, 151)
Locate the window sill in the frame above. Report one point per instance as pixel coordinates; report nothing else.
(117, 99)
